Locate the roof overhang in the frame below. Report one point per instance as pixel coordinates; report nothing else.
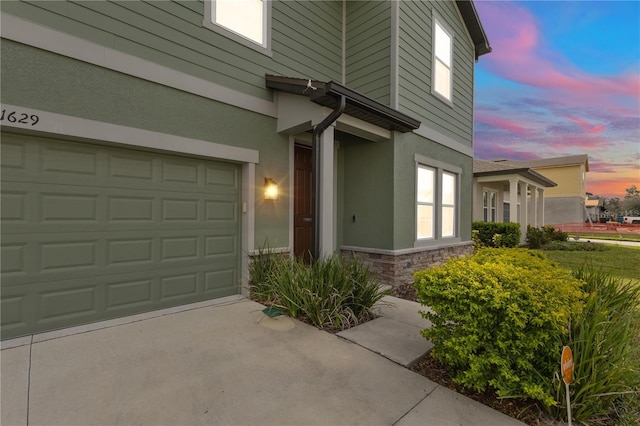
(358, 105)
(474, 26)
(524, 172)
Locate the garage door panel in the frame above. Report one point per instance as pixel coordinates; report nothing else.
(13, 259)
(13, 156)
(59, 208)
(49, 305)
(93, 232)
(130, 167)
(15, 309)
(13, 207)
(70, 160)
(129, 250)
(68, 255)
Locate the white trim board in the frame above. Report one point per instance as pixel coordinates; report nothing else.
(51, 123)
(41, 37)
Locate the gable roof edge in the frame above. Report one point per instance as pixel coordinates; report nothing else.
(474, 27)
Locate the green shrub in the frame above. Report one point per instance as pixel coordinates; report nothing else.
(573, 246)
(553, 235)
(331, 293)
(493, 234)
(606, 349)
(499, 319)
(538, 237)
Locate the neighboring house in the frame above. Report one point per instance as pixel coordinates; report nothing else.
(594, 207)
(149, 148)
(500, 190)
(564, 203)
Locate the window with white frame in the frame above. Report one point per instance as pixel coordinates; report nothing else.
(448, 227)
(426, 202)
(442, 74)
(506, 212)
(437, 200)
(246, 21)
(489, 205)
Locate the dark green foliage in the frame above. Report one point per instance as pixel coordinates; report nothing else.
(493, 234)
(537, 237)
(606, 349)
(499, 319)
(331, 293)
(573, 246)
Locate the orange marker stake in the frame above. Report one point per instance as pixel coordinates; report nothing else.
(566, 367)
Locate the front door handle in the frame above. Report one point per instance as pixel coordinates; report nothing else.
(307, 219)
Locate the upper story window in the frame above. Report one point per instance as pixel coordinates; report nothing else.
(442, 75)
(245, 21)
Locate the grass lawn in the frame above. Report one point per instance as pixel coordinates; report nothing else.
(605, 236)
(623, 261)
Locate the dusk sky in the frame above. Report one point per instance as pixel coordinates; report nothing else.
(563, 79)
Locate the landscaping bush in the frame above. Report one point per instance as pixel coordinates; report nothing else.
(493, 234)
(331, 293)
(538, 237)
(573, 246)
(499, 319)
(606, 349)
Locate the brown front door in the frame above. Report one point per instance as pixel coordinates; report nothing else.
(302, 210)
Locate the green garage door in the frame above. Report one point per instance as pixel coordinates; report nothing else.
(91, 232)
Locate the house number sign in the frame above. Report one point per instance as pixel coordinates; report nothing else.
(19, 117)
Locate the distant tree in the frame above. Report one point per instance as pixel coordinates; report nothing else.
(613, 205)
(631, 201)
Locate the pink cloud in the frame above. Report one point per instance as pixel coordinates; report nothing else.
(588, 127)
(518, 56)
(502, 123)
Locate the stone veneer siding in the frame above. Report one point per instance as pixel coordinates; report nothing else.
(396, 267)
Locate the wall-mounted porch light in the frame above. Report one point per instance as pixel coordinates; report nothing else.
(270, 189)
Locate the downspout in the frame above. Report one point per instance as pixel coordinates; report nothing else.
(315, 157)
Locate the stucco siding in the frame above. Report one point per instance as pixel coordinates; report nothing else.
(367, 186)
(415, 68)
(406, 145)
(559, 210)
(368, 48)
(33, 78)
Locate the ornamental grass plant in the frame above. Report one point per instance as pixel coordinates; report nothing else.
(331, 293)
(605, 340)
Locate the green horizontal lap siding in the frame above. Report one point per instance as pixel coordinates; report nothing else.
(306, 38)
(368, 48)
(92, 232)
(415, 67)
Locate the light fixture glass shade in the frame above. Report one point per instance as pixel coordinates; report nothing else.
(270, 189)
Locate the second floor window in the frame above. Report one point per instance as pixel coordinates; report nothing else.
(246, 21)
(442, 61)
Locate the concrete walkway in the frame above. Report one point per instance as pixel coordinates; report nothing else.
(224, 362)
(617, 242)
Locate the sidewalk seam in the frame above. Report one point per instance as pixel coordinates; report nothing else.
(415, 405)
(29, 380)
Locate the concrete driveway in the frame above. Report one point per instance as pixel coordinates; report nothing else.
(218, 363)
